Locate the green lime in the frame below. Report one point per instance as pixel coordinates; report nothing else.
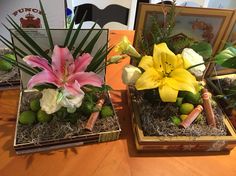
(183, 117)
(106, 111)
(179, 101)
(5, 66)
(87, 108)
(35, 105)
(27, 117)
(186, 108)
(175, 120)
(192, 98)
(42, 116)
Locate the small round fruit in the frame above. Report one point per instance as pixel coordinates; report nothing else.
(27, 117)
(106, 111)
(5, 66)
(186, 108)
(42, 116)
(183, 117)
(175, 120)
(192, 98)
(35, 105)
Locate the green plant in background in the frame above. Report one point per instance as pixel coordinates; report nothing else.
(227, 58)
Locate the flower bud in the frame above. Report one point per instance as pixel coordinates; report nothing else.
(191, 58)
(125, 47)
(130, 74)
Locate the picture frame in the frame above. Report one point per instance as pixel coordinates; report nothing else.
(196, 23)
(229, 37)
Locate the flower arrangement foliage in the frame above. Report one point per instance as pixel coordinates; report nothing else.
(67, 75)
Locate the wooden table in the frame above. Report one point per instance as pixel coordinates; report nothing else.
(118, 158)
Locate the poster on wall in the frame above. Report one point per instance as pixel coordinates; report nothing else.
(27, 14)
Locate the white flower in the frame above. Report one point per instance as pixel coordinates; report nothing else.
(48, 102)
(191, 58)
(130, 74)
(71, 102)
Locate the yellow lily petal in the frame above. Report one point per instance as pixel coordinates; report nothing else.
(150, 79)
(178, 85)
(180, 61)
(164, 58)
(168, 94)
(182, 76)
(146, 62)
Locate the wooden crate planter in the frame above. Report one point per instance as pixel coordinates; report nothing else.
(74, 140)
(179, 143)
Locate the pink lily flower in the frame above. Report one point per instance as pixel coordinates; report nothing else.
(64, 72)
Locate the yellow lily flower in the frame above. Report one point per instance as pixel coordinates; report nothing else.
(166, 71)
(125, 47)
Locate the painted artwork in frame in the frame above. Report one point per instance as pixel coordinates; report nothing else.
(197, 23)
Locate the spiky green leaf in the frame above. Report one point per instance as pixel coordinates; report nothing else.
(75, 36)
(46, 25)
(28, 39)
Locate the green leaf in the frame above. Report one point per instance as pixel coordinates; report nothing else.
(72, 42)
(21, 41)
(68, 35)
(11, 46)
(28, 39)
(79, 48)
(93, 41)
(227, 57)
(96, 62)
(202, 48)
(23, 67)
(46, 25)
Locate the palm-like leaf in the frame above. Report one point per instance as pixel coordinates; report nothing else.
(35, 49)
(46, 25)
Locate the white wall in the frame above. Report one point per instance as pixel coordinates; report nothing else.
(55, 13)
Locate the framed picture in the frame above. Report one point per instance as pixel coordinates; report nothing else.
(229, 37)
(196, 23)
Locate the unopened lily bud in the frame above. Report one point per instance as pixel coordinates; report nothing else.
(125, 47)
(130, 74)
(191, 58)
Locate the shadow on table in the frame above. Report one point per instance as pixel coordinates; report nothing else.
(124, 115)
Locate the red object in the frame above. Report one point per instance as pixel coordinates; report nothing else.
(30, 21)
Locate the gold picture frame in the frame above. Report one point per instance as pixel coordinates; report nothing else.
(190, 21)
(229, 37)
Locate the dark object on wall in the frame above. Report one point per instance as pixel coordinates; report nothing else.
(112, 13)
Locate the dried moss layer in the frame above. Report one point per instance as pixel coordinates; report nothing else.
(57, 128)
(155, 120)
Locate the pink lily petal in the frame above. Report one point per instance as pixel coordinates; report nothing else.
(82, 62)
(36, 61)
(73, 89)
(86, 78)
(42, 78)
(62, 59)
